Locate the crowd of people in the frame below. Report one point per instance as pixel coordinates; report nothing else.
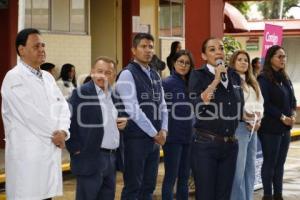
(207, 121)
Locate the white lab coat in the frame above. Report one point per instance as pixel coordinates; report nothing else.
(32, 109)
(66, 91)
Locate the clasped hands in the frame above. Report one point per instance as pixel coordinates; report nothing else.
(58, 138)
(160, 137)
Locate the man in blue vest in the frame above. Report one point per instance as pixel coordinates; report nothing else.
(141, 91)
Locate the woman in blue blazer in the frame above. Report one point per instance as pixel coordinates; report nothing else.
(279, 118)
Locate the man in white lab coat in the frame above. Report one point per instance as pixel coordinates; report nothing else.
(36, 121)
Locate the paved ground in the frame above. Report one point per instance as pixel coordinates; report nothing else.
(291, 179)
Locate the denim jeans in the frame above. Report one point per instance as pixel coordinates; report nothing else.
(244, 177)
(275, 149)
(177, 166)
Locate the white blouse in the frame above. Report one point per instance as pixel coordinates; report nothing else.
(253, 105)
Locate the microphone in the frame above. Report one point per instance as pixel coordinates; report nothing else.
(223, 75)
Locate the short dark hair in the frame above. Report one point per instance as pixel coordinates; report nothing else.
(105, 59)
(255, 61)
(47, 66)
(22, 37)
(138, 37)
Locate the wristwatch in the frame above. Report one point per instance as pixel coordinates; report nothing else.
(282, 118)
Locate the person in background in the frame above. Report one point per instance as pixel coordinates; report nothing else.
(279, 118)
(256, 65)
(67, 80)
(49, 67)
(95, 137)
(218, 99)
(177, 147)
(246, 132)
(141, 92)
(157, 64)
(36, 120)
(87, 79)
(175, 46)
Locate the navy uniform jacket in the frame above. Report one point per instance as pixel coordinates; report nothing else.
(87, 132)
(223, 113)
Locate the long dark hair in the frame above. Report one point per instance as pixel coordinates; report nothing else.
(64, 74)
(267, 68)
(173, 50)
(179, 54)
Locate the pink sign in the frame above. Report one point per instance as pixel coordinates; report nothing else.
(272, 36)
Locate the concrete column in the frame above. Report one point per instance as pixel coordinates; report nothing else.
(8, 56)
(203, 19)
(130, 8)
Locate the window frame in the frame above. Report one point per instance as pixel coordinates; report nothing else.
(171, 21)
(50, 21)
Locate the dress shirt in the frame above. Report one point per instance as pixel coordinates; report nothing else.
(37, 73)
(212, 70)
(111, 137)
(125, 86)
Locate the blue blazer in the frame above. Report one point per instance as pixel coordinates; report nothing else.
(86, 131)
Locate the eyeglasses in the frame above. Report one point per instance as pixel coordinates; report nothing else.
(183, 64)
(281, 57)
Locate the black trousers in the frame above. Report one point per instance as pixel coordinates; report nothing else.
(213, 164)
(275, 149)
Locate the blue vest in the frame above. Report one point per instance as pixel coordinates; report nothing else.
(149, 97)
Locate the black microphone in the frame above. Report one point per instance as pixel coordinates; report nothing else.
(223, 74)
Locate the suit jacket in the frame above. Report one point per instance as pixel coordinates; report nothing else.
(87, 132)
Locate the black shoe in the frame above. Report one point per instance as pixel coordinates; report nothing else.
(277, 197)
(267, 198)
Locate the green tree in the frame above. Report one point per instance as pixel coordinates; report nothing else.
(243, 7)
(271, 9)
(230, 46)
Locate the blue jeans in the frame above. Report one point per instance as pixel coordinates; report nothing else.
(177, 166)
(244, 177)
(275, 149)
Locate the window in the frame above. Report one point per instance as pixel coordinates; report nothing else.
(57, 15)
(171, 18)
(37, 14)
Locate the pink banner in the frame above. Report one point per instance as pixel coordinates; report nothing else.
(272, 36)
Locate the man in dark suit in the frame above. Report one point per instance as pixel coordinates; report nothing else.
(95, 137)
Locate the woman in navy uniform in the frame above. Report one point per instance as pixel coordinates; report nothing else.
(279, 118)
(218, 101)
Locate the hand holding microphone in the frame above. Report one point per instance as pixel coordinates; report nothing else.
(221, 68)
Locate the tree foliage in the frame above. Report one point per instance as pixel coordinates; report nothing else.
(243, 7)
(271, 9)
(230, 46)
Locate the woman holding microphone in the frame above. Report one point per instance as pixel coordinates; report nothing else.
(218, 101)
